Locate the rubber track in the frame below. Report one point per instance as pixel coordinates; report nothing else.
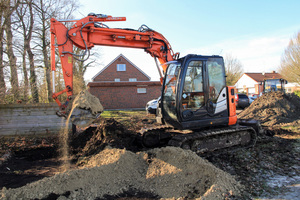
(179, 139)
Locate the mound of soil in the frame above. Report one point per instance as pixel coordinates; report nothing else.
(109, 132)
(274, 108)
(164, 173)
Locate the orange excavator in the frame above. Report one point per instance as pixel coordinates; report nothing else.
(196, 107)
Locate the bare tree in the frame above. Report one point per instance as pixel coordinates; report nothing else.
(233, 69)
(33, 78)
(25, 18)
(290, 61)
(80, 67)
(32, 25)
(3, 7)
(44, 13)
(24, 26)
(47, 9)
(9, 47)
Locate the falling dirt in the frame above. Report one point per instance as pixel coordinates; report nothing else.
(274, 108)
(165, 173)
(64, 146)
(90, 106)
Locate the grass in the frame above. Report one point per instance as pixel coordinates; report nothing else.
(123, 114)
(129, 118)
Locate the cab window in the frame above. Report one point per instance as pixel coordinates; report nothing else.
(169, 95)
(193, 96)
(216, 77)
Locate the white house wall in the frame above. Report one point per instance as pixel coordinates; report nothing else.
(246, 82)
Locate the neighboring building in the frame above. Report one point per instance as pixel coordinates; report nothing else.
(253, 83)
(122, 85)
(292, 87)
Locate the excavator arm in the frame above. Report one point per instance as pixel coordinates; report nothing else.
(90, 31)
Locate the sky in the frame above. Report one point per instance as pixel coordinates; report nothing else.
(255, 32)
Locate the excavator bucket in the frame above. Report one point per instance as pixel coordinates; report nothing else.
(84, 109)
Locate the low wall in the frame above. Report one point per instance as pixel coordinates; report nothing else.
(19, 119)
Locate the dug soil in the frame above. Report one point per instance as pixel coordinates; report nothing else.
(274, 109)
(109, 162)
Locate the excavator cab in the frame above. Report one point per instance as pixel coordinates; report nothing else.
(194, 93)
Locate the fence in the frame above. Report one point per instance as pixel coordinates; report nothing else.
(21, 119)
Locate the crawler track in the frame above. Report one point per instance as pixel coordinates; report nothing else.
(200, 141)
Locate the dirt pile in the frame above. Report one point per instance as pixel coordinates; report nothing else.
(274, 108)
(164, 173)
(108, 132)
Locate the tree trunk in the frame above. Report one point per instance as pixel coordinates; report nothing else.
(2, 80)
(25, 73)
(46, 58)
(48, 71)
(12, 59)
(33, 79)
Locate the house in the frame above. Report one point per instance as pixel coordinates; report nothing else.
(122, 85)
(253, 83)
(292, 87)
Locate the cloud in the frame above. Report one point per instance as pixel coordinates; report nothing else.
(256, 54)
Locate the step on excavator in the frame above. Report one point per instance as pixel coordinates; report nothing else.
(196, 109)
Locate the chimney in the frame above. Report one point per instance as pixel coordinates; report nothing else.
(273, 72)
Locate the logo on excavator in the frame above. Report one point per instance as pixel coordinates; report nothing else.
(115, 18)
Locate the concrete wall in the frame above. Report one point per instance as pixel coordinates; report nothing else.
(18, 119)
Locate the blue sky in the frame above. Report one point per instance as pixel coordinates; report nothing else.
(255, 32)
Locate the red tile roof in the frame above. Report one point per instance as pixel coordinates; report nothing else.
(258, 77)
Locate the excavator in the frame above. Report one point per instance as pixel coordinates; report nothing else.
(196, 109)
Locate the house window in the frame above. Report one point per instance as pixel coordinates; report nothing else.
(121, 67)
(132, 79)
(117, 80)
(141, 90)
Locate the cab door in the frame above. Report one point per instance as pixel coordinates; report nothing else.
(169, 93)
(202, 95)
(192, 94)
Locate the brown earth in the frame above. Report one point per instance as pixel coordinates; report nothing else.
(164, 173)
(108, 162)
(274, 109)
